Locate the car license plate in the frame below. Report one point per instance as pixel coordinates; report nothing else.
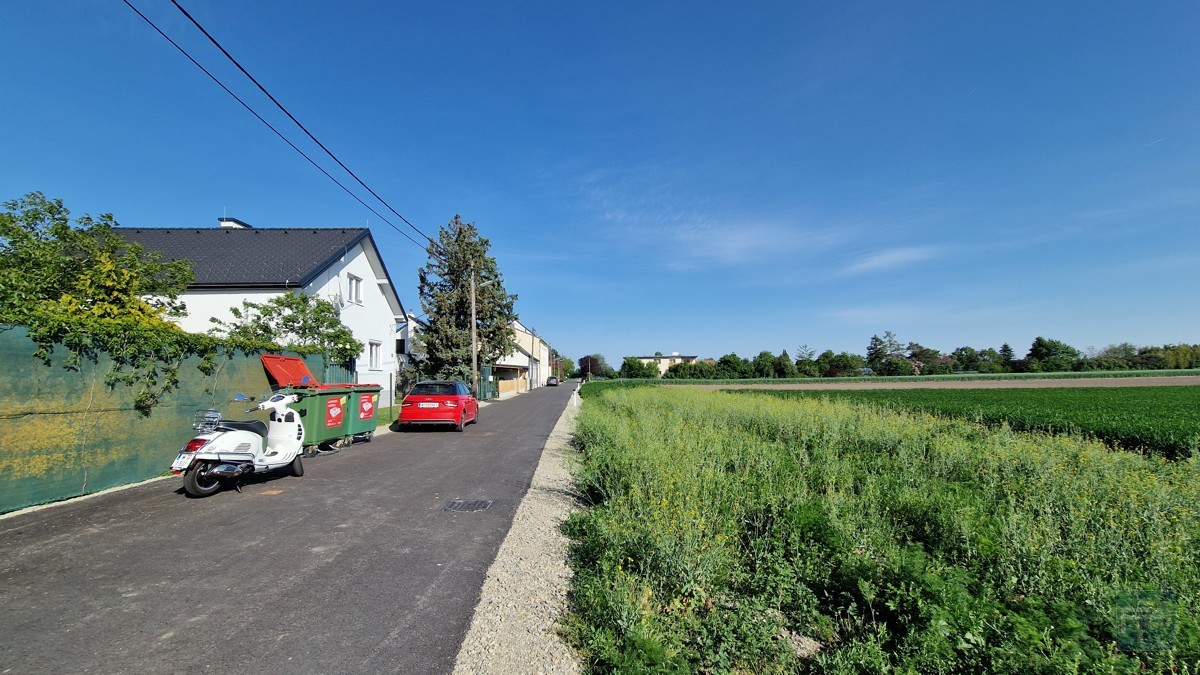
(182, 461)
(427, 404)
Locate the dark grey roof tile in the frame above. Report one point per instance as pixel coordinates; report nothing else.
(268, 257)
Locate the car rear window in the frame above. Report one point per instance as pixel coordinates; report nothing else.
(434, 389)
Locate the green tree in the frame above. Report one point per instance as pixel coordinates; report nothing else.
(84, 287)
(49, 268)
(1176, 356)
(733, 367)
(632, 368)
(444, 284)
(886, 356)
(1007, 356)
(928, 361)
(842, 364)
(806, 362)
(966, 358)
(295, 321)
(1123, 350)
(991, 361)
(785, 367)
(691, 371)
(763, 365)
(1048, 356)
(566, 367)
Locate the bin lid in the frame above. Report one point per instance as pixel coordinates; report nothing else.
(288, 371)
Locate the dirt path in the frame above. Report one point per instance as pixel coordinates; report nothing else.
(1178, 381)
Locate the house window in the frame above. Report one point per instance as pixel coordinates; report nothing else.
(353, 289)
(373, 354)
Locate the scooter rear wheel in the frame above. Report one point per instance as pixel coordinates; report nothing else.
(199, 483)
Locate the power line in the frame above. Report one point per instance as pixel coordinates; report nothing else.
(272, 128)
(293, 118)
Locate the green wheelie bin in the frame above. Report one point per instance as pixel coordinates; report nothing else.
(362, 418)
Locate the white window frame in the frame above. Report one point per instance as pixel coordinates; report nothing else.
(354, 289)
(374, 354)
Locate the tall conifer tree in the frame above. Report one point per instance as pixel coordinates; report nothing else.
(444, 284)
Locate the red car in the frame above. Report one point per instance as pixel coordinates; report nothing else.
(439, 402)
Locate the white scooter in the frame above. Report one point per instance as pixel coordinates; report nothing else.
(224, 450)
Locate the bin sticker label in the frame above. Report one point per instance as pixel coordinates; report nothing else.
(333, 412)
(366, 407)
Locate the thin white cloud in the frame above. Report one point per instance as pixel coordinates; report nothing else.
(642, 210)
(892, 258)
(730, 244)
(884, 315)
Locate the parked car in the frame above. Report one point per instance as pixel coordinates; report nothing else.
(439, 402)
(551, 381)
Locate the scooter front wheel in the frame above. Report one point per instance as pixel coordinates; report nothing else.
(297, 467)
(200, 482)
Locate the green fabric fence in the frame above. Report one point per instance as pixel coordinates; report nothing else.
(64, 433)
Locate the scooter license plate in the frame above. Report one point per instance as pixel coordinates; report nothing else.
(183, 461)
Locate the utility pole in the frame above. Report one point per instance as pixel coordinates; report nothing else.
(474, 342)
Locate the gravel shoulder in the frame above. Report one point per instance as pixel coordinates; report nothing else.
(514, 628)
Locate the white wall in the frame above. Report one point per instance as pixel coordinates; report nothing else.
(371, 320)
(202, 305)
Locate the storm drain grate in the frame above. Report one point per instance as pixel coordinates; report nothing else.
(468, 505)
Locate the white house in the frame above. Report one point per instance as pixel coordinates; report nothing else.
(406, 332)
(237, 262)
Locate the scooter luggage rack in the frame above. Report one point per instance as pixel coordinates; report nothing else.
(206, 421)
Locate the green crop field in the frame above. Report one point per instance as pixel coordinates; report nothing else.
(741, 533)
(1155, 420)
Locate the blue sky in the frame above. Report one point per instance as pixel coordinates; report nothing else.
(701, 177)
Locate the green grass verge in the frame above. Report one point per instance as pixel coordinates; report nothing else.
(758, 534)
(1155, 420)
(387, 415)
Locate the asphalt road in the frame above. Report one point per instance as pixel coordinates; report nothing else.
(354, 568)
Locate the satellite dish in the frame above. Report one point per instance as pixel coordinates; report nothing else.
(305, 380)
(239, 396)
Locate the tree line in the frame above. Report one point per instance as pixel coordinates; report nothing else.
(887, 356)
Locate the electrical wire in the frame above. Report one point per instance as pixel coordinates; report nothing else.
(292, 117)
(276, 131)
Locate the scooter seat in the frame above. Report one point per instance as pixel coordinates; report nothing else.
(253, 426)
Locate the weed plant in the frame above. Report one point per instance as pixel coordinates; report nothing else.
(1153, 420)
(740, 533)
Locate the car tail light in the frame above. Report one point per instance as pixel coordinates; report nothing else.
(450, 404)
(406, 404)
(195, 444)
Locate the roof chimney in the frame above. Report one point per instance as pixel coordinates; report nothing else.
(234, 224)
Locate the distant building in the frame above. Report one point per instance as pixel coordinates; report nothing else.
(665, 362)
(527, 367)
